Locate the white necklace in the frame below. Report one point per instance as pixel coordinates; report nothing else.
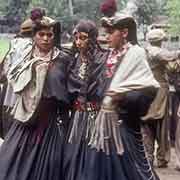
(83, 70)
(38, 54)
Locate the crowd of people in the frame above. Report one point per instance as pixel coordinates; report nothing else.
(87, 113)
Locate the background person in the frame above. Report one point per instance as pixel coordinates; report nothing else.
(21, 42)
(156, 122)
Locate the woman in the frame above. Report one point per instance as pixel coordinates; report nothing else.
(84, 79)
(116, 148)
(32, 148)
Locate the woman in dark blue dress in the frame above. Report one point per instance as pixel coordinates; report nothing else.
(84, 80)
(32, 149)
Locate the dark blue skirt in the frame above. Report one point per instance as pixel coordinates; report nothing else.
(32, 151)
(81, 162)
(131, 165)
(76, 144)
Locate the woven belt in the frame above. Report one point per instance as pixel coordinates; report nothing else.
(88, 106)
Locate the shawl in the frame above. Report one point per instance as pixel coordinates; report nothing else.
(27, 80)
(15, 56)
(133, 73)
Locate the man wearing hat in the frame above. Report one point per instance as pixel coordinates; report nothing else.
(156, 125)
(21, 42)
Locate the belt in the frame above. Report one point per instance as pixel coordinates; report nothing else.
(87, 106)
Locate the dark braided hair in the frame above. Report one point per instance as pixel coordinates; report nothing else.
(90, 28)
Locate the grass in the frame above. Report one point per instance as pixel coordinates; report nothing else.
(4, 47)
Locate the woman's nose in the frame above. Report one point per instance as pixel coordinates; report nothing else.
(78, 42)
(45, 37)
(107, 37)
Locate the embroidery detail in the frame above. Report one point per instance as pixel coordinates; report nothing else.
(82, 70)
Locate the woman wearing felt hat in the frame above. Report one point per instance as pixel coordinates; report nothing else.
(115, 150)
(32, 149)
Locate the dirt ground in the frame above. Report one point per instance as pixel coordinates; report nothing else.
(169, 173)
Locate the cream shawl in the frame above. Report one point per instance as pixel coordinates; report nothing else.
(27, 79)
(132, 73)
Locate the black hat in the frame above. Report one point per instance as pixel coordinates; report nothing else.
(122, 21)
(119, 21)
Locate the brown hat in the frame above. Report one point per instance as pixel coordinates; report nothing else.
(26, 26)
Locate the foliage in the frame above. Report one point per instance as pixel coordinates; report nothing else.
(148, 10)
(69, 11)
(174, 14)
(17, 8)
(3, 7)
(121, 3)
(4, 46)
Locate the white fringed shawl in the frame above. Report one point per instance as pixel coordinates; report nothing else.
(132, 73)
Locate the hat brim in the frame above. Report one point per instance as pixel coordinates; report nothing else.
(106, 22)
(118, 22)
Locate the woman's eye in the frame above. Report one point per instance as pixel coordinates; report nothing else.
(41, 34)
(50, 35)
(83, 38)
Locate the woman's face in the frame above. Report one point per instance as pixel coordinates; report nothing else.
(44, 39)
(116, 37)
(81, 40)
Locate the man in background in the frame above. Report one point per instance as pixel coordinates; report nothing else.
(156, 121)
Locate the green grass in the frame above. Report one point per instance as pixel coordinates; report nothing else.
(4, 47)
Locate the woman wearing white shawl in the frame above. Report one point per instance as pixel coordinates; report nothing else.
(116, 148)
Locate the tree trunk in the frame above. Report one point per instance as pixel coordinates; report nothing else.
(70, 5)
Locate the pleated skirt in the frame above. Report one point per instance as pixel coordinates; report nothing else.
(32, 151)
(81, 162)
